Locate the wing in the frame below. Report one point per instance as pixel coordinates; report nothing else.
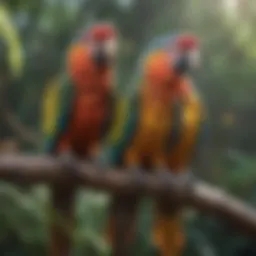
(186, 130)
(57, 106)
(122, 130)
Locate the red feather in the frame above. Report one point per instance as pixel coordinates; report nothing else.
(101, 32)
(187, 42)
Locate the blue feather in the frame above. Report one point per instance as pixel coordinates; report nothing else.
(63, 116)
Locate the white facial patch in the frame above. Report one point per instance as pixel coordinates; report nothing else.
(111, 47)
(194, 58)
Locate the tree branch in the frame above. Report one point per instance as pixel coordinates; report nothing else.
(41, 169)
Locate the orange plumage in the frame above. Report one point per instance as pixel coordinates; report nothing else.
(162, 87)
(92, 86)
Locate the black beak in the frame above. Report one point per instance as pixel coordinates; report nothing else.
(182, 65)
(100, 57)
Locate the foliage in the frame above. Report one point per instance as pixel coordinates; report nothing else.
(226, 80)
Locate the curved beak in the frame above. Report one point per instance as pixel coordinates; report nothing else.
(105, 52)
(100, 56)
(181, 66)
(187, 61)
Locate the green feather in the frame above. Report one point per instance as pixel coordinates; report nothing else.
(122, 132)
(63, 113)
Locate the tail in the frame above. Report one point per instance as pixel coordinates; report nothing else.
(62, 220)
(168, 235)
(121, 232)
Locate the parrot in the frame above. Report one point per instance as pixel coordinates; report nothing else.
(155, 128)
(76, 113)
(187, 131)
(169, 67)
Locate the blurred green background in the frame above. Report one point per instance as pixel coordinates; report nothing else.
(227, 82)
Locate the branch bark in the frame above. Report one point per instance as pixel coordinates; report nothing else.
(208, 199)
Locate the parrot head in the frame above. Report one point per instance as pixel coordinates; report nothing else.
(182, 57)
(186, 54)
(103, 42)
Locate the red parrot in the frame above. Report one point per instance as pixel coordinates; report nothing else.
(83, 99)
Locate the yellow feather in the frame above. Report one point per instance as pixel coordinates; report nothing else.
(119, 121)
(50, 103)
(191, 120)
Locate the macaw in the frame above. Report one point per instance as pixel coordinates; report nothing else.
(156, 128)
(76, 113)
(168, 69)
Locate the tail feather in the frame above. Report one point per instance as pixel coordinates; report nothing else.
(168, 235)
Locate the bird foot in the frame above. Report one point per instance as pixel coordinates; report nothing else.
(178, 178)
(137, 174)
(136, 171)
(166, 174)
(100, 163)
(184, 178)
